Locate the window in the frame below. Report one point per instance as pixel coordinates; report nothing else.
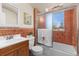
(58, 20)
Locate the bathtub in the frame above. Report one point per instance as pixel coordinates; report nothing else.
(59, 49)
(63, 49)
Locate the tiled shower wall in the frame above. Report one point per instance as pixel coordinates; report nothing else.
(68, 36)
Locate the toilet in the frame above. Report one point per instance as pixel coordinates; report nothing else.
(36, 50)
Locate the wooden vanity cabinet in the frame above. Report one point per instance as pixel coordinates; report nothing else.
(19, 49)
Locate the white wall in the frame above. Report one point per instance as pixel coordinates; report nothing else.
(23, 7)
(0, 7)
(2, 15)
(77, 11)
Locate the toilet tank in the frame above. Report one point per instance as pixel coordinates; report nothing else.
(31, 42)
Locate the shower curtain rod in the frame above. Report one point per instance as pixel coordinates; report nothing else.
(62, 9)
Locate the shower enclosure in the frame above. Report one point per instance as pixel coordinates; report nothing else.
(62, 24)
(45, 37)
(47, 23)
(45, 29)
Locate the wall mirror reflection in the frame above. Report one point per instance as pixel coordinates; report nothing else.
(11, 14)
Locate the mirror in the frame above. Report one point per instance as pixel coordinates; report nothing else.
(11, 14)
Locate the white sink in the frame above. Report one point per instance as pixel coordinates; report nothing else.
(5, 43)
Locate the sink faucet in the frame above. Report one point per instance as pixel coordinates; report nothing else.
(9, 37)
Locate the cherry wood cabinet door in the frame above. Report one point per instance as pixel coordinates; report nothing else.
(19, 49)
(23, 51)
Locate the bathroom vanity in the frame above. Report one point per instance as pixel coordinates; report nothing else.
(18, 48)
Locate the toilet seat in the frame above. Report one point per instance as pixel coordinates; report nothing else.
(37, 49)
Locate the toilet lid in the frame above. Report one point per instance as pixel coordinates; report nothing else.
(37, 48)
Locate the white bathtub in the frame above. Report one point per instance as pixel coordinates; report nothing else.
(63, 49)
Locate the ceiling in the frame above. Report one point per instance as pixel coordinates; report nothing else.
(42, 6)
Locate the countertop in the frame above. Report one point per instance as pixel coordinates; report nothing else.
(6, 43)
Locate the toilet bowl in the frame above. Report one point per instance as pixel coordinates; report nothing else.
(35, 50)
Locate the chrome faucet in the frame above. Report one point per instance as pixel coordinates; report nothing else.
(9, 37)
